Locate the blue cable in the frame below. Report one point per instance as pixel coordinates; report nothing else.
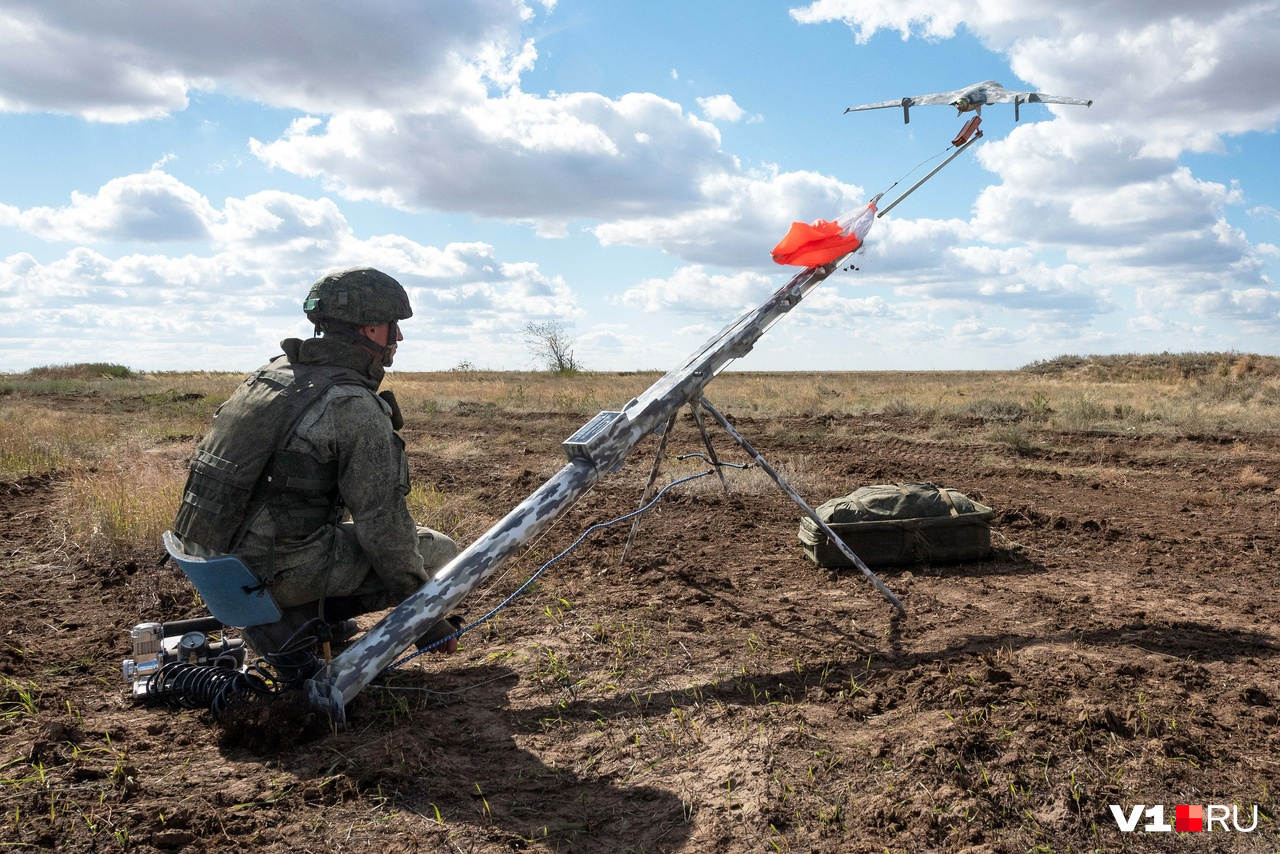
(548, 564)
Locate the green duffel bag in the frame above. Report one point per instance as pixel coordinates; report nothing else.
(896, 524)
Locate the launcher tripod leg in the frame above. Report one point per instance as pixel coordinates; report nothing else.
(648, 487)
(696, 409)
(657, 462)
(795, 496)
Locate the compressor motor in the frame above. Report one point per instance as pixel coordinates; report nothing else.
(157, 645)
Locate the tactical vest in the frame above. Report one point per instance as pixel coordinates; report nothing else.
(240, 463)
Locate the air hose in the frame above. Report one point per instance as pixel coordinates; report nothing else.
(218, 685)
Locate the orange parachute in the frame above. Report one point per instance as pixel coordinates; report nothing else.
(812, 245)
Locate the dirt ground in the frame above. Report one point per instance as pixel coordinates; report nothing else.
(716, 692)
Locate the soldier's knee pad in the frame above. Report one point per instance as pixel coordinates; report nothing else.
(436, 548)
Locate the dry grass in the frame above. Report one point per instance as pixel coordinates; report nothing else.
(1158, 366)
(1251, 477)
(35, 439)
(122, 504)
(1231, 400)
(458, 515)
(804, 472)
(122, 493)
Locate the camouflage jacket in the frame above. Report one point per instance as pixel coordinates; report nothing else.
(348, 430)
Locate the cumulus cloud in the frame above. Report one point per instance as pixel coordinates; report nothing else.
(517, 156)
(234, 302)
(1177, 76)
(418, 104)
(740, 217)
(1257, 306)
(275, 220)
(415, 104)
(721, 108)
(126, 61)
(828, 307)
(151, 207)
(693, 289)
(1104, 187)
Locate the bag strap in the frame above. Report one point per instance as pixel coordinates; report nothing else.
(946, 496)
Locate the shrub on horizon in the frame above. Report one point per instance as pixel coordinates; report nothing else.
(83, 371)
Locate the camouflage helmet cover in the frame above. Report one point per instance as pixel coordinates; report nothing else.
(361, 296)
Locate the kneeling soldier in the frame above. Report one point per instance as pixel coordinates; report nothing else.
(303, 475)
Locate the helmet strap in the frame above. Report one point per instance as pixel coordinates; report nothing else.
(393, 334)
(381, 351)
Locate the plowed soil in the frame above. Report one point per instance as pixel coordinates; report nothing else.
(715, 691)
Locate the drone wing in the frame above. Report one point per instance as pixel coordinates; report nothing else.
(1007, 97)
(911, 101)
(1003, 95)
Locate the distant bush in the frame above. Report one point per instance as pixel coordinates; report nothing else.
(1056, 366)
(997, 410)
(83, 371)
(1156, 366)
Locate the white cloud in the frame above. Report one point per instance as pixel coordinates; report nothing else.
(721, 108)
(693, 289)
(1025, 342)
(739, 219)
(1258, 307)
(418, 104)
(275, 220)
(936, 262)
(1103, 187)
(1265, 211)
(697, 330)
(1014, 279)
(126, 61)
(415, 104)
(150, 207)
(1175, 76)
(827, 307)
(614, 341)
(231, 305)
(517, 156)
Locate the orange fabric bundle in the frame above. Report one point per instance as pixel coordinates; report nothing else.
(814, 245)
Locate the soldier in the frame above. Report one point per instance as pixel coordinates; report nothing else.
(304, 477)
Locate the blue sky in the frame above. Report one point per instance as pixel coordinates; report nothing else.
(174, 176)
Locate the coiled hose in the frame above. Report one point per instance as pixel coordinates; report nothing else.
(217, 685)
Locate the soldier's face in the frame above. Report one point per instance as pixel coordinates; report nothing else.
(381, 336)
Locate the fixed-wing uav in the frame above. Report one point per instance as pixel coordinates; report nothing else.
(973, 99)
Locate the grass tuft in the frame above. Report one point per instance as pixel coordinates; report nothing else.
(123, 506)
(37, 440)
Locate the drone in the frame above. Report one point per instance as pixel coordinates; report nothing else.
(973, 99)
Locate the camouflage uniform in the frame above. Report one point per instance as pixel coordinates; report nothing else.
(367, 562)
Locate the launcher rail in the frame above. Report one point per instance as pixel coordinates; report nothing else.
(597, 449)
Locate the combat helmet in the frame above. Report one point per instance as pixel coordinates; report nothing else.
(357, 296)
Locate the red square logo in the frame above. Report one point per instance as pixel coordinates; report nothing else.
(1188, 817)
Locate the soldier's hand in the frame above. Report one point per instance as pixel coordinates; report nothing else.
(442, 629)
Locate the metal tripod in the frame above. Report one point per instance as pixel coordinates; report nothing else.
(696, 407)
